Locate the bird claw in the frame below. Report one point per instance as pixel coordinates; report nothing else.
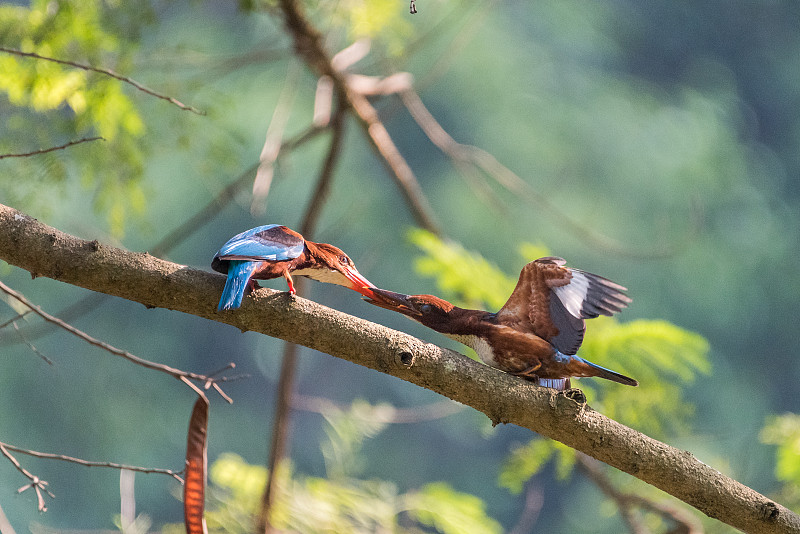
(575, 394)
(529, 372)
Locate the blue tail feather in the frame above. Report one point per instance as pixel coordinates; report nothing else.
(608, 374)
(239, 273)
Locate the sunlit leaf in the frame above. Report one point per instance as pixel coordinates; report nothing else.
(784, 431)
(452, 512)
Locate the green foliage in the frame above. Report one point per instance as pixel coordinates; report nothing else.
(53, 102)
(527, 460)
(340, 502)
(450, 512)
(784, 431)
(347, 431)
(663, 357)
(382, 21)
(456, 270)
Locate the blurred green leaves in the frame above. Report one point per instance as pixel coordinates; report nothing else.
(341, 502)
(53, 102)
(784, 432)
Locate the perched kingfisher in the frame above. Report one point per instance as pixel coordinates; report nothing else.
(537, 333)
(273, 250)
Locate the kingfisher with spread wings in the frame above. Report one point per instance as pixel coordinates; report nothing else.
(538, 331)
(272, 251)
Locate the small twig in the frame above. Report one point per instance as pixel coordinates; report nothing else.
(177, 373)
(5, 447)
(628, 502)
(52, 149)
(36, 483)
(14, 319)
(31, 345)
(107, 72)
(273, 142)
(530, 511)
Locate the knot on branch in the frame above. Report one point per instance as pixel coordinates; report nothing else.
(404, 356)
(770, 511)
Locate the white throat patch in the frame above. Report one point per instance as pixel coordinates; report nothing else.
(478, 344)
(324, 275)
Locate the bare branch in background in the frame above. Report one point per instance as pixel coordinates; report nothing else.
(470, 158)
(107, 72)
(176, 373)
(87, 463)
(52, 149)
(38, 485)
(628, 503)
(534, 499)
(272, 143)
(31, 345)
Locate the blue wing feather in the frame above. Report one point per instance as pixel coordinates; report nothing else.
(260, 244)
(239, 274)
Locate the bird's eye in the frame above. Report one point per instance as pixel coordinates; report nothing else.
(425, 308)
(344, 260)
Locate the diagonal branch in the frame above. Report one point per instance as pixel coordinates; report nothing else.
(89, 463)
(176, 373)
(52, 148)
(107, 72)
(143, 278)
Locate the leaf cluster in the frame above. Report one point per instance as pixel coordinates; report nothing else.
(52, 102)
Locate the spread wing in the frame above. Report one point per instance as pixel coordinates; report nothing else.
(552, 301)
(271, 242)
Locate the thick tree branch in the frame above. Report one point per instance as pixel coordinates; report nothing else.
(140, 277)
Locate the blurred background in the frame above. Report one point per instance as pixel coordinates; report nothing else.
(657, 145)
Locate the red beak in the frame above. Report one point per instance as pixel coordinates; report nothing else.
(359, 283)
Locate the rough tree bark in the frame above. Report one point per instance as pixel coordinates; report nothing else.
(140, 277)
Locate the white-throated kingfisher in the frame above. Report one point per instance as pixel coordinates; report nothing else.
(538, 331)
(272, 251)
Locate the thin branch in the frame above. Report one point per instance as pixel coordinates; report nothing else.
(468, 157)
(534, 499)
(627, 503)
(14, 319)
(176, 373)
(106, 72)
(87, 463)
(52, 149)
(503, 398)
(31, 345)
(273, 142)
(38, 485)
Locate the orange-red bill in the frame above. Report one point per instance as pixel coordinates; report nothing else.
(360, 284)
